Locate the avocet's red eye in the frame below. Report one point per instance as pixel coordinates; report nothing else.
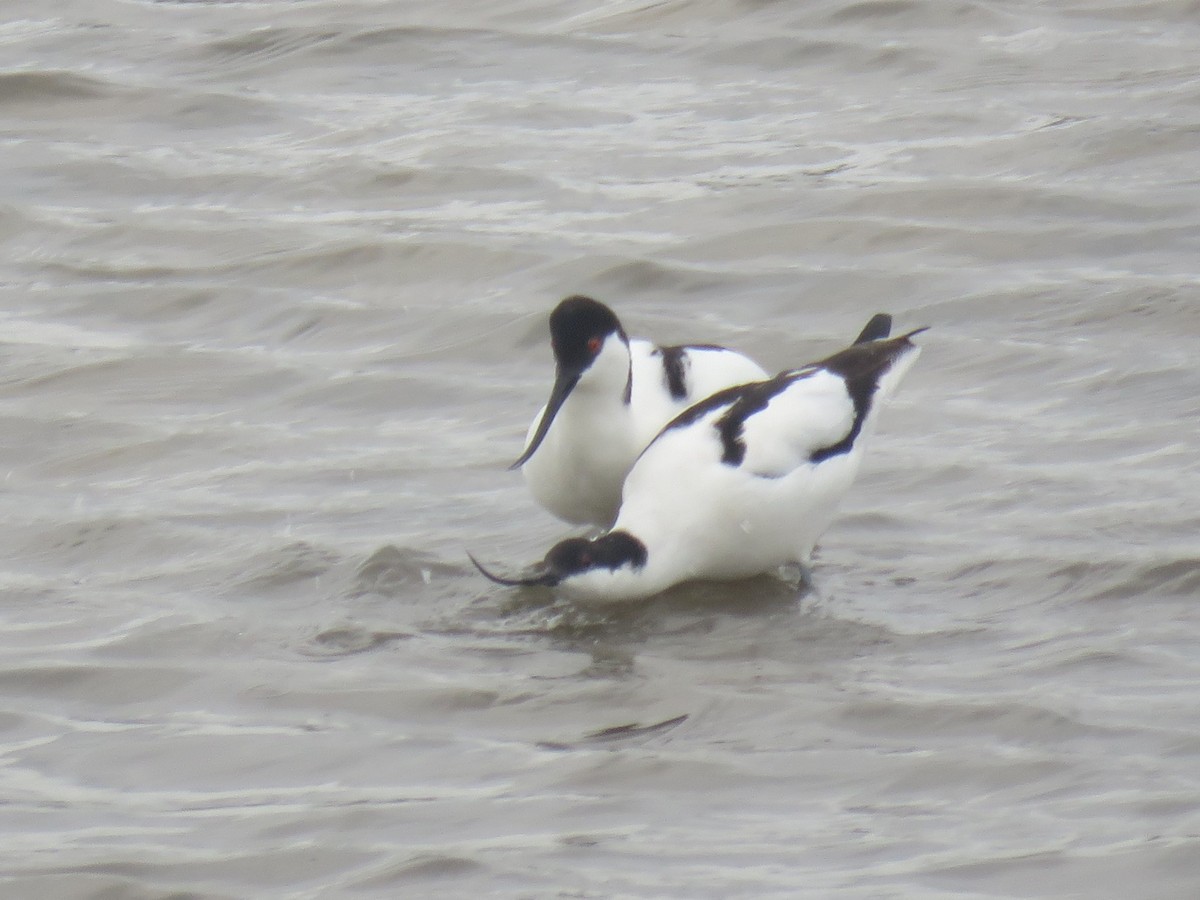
(594, 344)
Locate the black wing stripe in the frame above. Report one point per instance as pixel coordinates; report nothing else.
(860, 366)
(752, 399)
(675, 366)
(674, 363)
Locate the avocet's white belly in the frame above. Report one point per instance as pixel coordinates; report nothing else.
(714, 521)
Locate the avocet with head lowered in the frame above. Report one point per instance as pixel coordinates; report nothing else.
(611, 396)
(739, 484)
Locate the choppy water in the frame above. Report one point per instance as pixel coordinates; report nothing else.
(273, 279)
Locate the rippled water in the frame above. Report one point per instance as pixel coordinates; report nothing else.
(273, 286)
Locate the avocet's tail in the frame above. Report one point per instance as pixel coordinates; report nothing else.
(877, 329)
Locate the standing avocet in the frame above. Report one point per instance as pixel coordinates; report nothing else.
(738, 485)
(611, 396)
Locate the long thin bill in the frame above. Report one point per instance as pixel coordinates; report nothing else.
(564, 383)
(545, 579)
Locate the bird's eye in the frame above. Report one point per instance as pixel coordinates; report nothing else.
(594, 344)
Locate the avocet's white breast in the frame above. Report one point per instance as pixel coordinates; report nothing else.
(577, 471)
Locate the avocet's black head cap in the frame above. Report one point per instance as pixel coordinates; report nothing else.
(609, 551)
(576, 555)
(579, 326)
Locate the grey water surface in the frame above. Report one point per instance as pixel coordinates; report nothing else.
(273, 286)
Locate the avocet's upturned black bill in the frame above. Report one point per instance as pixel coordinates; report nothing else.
(579, 329)
(576, 555)
(611, 396)
(541, 577)
(741, 483)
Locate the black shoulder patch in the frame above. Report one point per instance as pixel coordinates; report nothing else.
(674, 362)
(702, 408)
(742, 401)
(752, 398)
(860, 366)
(675, 366)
